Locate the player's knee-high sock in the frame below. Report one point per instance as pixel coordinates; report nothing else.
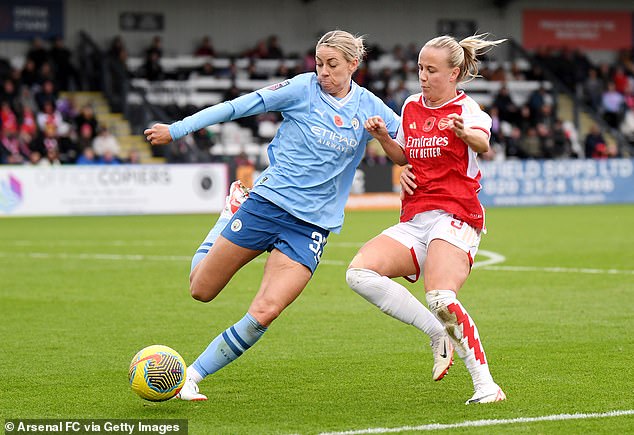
(206, 245)
(394, 300)
(229, 345)
(463, 332)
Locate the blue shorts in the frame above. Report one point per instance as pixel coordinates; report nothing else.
(263, 226)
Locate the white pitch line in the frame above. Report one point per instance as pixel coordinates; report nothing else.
(480, 423)
(488, 264)
(559, 270)
(493, 257)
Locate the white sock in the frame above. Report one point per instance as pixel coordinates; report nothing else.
(463, 332)
(194, 375)
(394, 300)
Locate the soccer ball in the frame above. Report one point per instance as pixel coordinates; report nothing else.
(157, 373)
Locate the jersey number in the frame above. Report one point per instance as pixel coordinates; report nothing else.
(317, 244)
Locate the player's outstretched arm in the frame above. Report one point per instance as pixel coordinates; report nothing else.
(377, 128)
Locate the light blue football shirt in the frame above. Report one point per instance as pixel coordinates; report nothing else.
(317, 148)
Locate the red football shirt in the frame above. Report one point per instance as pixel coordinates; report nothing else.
(446, 169)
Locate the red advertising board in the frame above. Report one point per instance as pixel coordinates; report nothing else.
(594, 30)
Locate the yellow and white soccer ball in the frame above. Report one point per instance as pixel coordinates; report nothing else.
(157, 373)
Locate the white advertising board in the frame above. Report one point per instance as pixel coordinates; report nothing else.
(116, 189)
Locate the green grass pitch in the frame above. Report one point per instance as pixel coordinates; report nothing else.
(79, 296)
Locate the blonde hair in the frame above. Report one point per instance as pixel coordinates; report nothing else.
(464, 54)
(351, 46)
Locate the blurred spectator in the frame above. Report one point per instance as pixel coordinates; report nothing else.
(515, 73)
(506, 107)
(120, 77)
(156, 47)
(66, 106)
(206, 70)
(401, 93)
(35, 158)
(593, 89)
(86, 122)
(273, 48)
(85, 137)
(28, 75)
(535, 73)
(562, 146)
(152, 69)
(8, 119)
(47, 140)
(254, 73)
(105, 143)
(595, 144)
(530, 145)
(525, 119)
(204, 141)
(205, 48)
(52, 158)
(612, 104)
(50, 116)
(545, 116)
(513, 146)
(66, 75)
(116, 47)
(134, 158)
(620, 79)
(47, 94)
(546, 140)
(88, 157)
(45, 73)
(259, 51)
(8, 92)
(28, 124)
(12, 150)
(109, 158)
(37, 53)
(536, 101)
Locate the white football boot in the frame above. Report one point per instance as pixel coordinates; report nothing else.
(238, 193)
(190, 392)
(442, 348)
(487, 394)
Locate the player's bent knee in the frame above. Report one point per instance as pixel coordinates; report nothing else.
(369, 285)
(358, 278)
(200, 293)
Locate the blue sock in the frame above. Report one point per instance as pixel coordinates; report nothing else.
(229, 345)
(205, 246)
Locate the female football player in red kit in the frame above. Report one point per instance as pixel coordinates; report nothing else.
(442, 132)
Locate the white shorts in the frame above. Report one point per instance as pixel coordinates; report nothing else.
(417, 233)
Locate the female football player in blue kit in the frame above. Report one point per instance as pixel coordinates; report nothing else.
(294, 203)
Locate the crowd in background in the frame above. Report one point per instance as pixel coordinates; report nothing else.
(37, 126)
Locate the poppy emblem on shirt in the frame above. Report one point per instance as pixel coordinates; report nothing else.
(338, 121)
(429, 124)
(443, 123)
